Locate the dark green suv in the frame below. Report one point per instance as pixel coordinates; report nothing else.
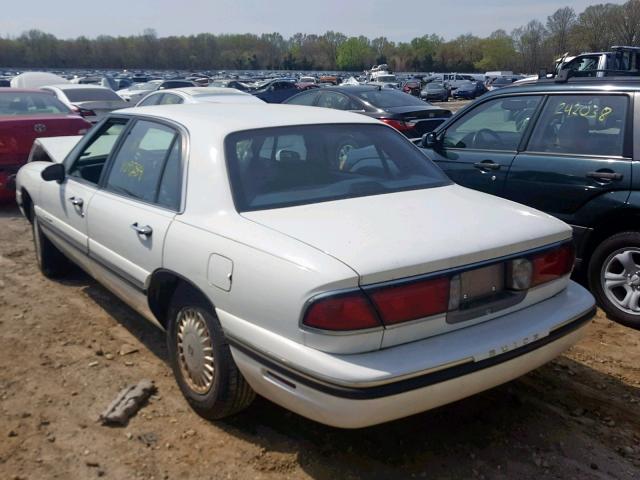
(568, 148)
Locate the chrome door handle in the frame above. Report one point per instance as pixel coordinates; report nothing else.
(604, 175)
(487, 165)
(76, 202)
(145, 231)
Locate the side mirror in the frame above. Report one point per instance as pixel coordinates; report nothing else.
(430, 140)
(53, 172)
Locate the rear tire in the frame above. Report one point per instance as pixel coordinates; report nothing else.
(201, 359)
(51, 261)
(614, 277)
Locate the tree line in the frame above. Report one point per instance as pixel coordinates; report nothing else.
(525, 49)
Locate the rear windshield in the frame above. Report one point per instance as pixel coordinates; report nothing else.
(28, 103)
(90, 94)
(176, 84)
(389, 98)
(285, 166)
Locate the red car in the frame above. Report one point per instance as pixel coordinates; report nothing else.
(24, 116)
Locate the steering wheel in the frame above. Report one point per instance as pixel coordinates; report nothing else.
(485, 131)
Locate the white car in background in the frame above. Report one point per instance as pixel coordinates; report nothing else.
(197, 95)
(138, 91)
(309, 255)
(90, 101)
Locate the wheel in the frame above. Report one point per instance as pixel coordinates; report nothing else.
(201, 359)
(51, 261)
(614, 277)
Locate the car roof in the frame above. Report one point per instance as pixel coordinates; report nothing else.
(228, 118)
(624, 84)
(76, 86)
(23, 90)
(199, 91)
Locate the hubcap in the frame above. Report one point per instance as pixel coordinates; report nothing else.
(195, 350)
(620, 279)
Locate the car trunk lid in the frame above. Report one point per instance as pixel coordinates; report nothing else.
(398, 235)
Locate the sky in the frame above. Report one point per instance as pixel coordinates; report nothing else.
(398, 20)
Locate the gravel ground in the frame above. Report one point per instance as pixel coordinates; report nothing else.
(61, 355)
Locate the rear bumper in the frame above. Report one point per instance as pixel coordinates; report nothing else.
(367, 389)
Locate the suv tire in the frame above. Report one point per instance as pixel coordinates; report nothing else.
(614, 277)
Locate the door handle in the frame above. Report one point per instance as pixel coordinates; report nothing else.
(145, 231)
(76, 201)
(608, 176)
(487, 165)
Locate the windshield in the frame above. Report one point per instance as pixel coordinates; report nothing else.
(297, 165)
(435, 86)
(29, 103)
(389, 98)
(385, 78)
(90, 94)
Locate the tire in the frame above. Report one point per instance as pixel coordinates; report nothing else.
(227, 392)
(51, 261)
(607, 259)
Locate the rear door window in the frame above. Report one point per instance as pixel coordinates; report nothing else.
(138, 167)
(581, 125)
(306, 98)
(154, 99)
(335, 100)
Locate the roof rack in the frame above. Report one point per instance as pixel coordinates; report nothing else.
(564, 76)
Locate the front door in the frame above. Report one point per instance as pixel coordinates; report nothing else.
(476, 151)
(140, 197)
(63, 207)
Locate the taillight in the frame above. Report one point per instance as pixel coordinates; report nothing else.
(83, 112)
(403, 303)
(342, 312)
(552, 264)
(398, 124)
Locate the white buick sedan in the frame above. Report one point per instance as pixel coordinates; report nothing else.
(312, 256)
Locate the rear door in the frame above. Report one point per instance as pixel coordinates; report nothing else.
(476, 151)
(579, 152)
(63, 207)
(142, 191)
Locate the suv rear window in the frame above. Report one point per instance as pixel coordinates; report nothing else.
(297, 165)
(581, 125)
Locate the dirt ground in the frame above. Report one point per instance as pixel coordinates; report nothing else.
(61, 365)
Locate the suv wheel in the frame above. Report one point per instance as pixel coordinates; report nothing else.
(614, 277)
(51, 261)
(201, 360)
